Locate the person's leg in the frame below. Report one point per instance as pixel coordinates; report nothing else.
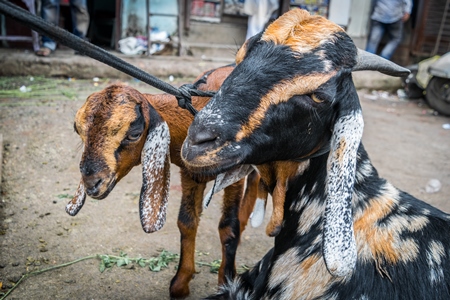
(80, 17)
(395, 31)
(50, 13)
(376, 33)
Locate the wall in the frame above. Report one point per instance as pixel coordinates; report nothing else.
(354, 16)
(358, 27)
(215, 40)
(134, 17)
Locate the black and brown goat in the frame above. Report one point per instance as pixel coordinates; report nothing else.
(347, 233)
(120, 128)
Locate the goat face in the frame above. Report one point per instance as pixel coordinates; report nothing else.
(284, 86)
(112, 131)
(119, 129)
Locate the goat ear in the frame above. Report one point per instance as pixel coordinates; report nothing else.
(155, 176)
(77, 202)
(369, 61)
(339, 245)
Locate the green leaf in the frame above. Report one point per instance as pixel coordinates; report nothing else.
(121, 262)
(155, 268)
(102, 266)
(141, 262)
(215, 265)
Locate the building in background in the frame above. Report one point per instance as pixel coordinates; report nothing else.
(217, 28)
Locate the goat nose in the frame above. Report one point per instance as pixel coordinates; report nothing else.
(89, 167)
(85, 170)
(92, 185)
(202, 136)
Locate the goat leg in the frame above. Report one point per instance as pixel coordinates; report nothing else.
(250, 196)
(188, 220)
(229, 230)
(260, 206)
(276, 220)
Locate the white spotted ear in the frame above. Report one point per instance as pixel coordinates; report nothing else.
(77, 202)
(339, 246)
(155, 176)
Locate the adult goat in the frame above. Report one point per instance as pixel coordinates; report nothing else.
(347, 233)
(120, 128)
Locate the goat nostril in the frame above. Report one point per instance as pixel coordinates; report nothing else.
(203, 137)
(92, 184)
(98, 183)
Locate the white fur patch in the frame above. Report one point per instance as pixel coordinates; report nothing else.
(339, 245)
(435, 256)
(211, 116)
(258, 213)
(155, 178)
(311, 216)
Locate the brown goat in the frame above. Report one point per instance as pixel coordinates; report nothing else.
(113, 126)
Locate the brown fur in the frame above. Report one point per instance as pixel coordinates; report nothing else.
(300, 31)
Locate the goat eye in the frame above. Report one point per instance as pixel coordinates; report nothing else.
(315, 98)
(133, 136)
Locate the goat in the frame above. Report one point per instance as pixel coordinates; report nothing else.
(117, 126)
(347, 233)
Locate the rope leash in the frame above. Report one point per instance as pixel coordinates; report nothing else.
(183, 94)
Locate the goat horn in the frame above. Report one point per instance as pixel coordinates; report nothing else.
(369, 61)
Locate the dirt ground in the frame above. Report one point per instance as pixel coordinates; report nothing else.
(41, 152)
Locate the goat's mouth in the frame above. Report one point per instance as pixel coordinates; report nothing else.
(210, 161)
(101, 188)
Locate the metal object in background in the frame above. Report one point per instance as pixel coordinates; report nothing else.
(431, 78)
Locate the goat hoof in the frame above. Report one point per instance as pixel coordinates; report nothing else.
(275, 231)
(178, 291)
(179, 294)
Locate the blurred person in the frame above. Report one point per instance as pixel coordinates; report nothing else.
(259, 12)
(50, 12)
(388, 17)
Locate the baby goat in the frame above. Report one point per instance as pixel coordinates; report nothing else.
(347, 233)
(120, 128)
